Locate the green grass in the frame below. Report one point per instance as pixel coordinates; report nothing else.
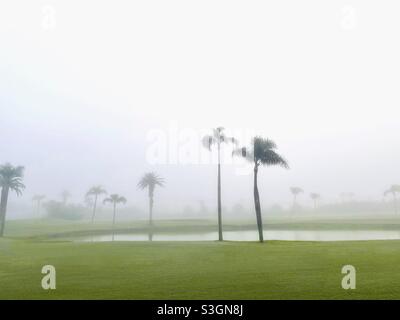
(229, 270)
(194, 270)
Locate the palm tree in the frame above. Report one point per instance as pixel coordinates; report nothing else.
(295, 192)
(38, 199)
(95, 192)
(10, 179)
(315, 197)
(114, 199)
(217, 138)
(393, 190)
(346, 196)
(65, 195)
(150, 180)
(261, 152)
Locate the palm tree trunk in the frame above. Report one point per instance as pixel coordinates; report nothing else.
(94, 208)
(151, 202)
(3, 209)
(220, 237)
(113, 222)
(257, 206)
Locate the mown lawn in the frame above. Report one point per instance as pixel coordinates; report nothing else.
(206, 270)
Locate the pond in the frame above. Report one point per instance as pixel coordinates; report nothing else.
(290, 235)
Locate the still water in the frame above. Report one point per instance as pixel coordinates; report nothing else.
(291, 235)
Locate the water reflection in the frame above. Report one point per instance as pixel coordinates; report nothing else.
(291, 235)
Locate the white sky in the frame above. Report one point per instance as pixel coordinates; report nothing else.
(82, 83)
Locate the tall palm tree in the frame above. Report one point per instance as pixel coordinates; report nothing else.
(150, 180)
(114, 199)
(295, 192)
(10, 179)
(38, 199)
(95, 192)
(261, 152)
(65, 195)
(393, 190)
(218, 138)
(315, 197)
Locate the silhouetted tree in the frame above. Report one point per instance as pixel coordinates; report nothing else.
(114, 199)
(261, 152)
(38, 199)
(65, 195)
(295, 192)
(95, 192)
(218, 138)
(10, 179)
(150, 180)
(346, 196)
(315, 197)
(393, 190)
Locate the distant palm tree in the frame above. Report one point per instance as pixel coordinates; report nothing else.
(393, 190)
(95, 192)
(346, 196)
(38, 199)
(295, 192)
(261, 152)
(150, 180)
(10, 179)
(217, 138)
(65, 195)
(114, 199)
(315, 197)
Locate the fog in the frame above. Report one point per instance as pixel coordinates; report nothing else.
(100, 92)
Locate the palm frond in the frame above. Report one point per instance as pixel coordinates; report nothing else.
(96, 190)
(271, 158)
(265, 154)
(218, 132)
(244, 152)
(395, 188)
(115, 198)
(150, 180)
(315, 196)
(108, 200)
(226, 139)
(11, 177)
(122, 200)
(208, 141)
(296, 190)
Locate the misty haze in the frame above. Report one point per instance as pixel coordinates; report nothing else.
(198, 123)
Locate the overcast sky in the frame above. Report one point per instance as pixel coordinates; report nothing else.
(86, 86)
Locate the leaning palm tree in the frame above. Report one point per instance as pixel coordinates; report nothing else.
(295, 192)
(261, 152)
(393, 190)
(95, 192)
(38, 199)
(217, 138)
(315, 197)
(150, 180)
(10, 179)
(114, 199)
